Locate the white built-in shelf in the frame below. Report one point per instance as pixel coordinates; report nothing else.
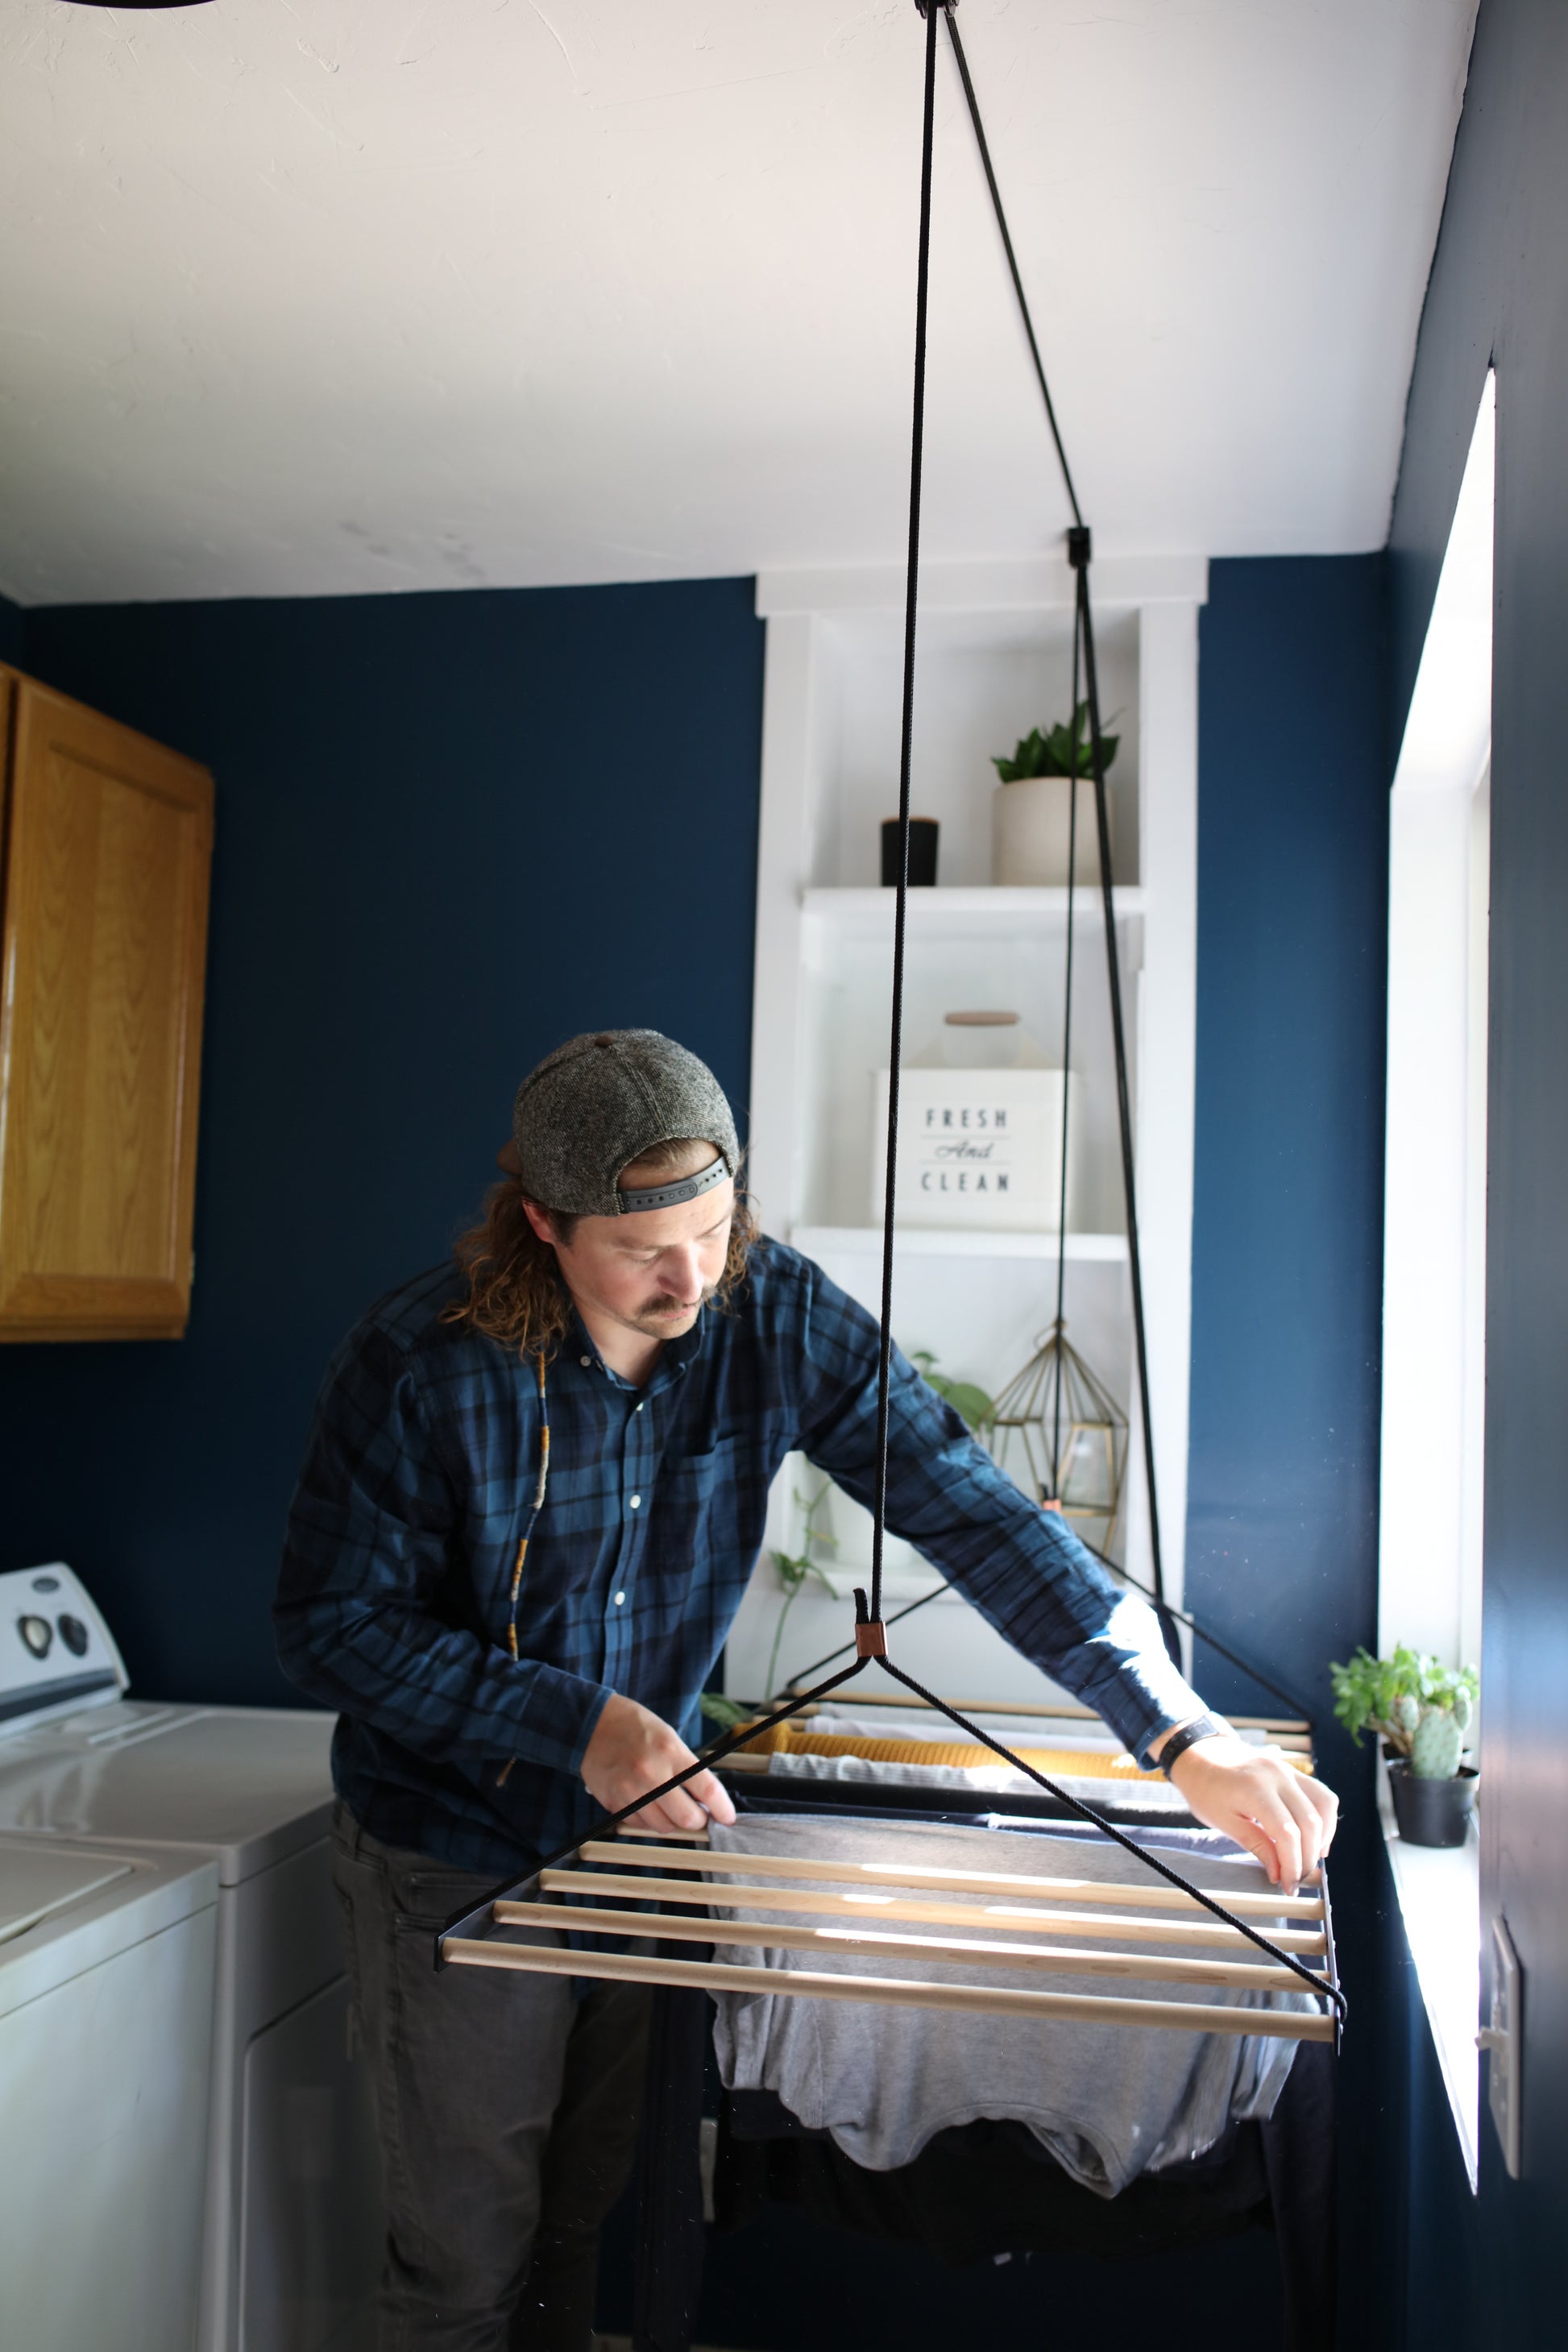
(919, 1241)
(992, 906)
(996, 660)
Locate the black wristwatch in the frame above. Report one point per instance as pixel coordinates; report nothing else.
(1203, 1727)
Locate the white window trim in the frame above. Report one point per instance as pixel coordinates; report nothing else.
(1434, 1383)
(1439, 1893)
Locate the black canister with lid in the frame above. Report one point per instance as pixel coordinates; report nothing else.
(923, 832)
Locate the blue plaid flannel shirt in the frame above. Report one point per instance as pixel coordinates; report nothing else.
(417, 1481)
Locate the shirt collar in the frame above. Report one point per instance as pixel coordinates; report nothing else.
(671, 1366)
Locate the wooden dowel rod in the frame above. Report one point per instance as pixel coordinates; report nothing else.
(1155, 1897)
(1110, 1926)
(667, 1837)
(1127, 1777)
(893, 1992)
(951, 1951)
(1061, 1714)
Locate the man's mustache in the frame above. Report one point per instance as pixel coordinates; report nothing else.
(668, 1306)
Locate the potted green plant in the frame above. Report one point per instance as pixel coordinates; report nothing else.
(1421, 1711)
(1032, 807)
(973, 1406)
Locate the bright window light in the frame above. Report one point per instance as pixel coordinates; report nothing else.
(1434, 1228)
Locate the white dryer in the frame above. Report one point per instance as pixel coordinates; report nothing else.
(292, 2233)
(107, 1970)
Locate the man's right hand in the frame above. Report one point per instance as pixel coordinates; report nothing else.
(630, 1750)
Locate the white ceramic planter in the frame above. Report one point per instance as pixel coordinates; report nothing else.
(1030, 823)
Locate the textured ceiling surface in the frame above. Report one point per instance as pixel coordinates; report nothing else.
(325, 296)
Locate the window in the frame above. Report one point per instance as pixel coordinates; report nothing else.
(1435, 1202)
(1434, 1282)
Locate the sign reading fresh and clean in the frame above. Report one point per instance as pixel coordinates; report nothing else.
(975, 1147)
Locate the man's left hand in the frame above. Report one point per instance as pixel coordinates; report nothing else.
(1281, 1816)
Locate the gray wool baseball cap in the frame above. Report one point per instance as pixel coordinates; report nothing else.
(599, 1102)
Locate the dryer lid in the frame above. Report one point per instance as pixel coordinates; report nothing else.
(251, 1786)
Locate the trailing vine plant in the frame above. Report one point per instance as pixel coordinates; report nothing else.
(794, 1569)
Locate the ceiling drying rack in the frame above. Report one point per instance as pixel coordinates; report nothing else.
(596, 1893)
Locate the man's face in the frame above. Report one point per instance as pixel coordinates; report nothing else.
(651, 1271)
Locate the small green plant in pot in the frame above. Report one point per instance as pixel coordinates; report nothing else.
(973, 1406)
(1421, 1711)
(1045, 797)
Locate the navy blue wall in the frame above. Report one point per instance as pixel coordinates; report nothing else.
(451, 830)
(1293, 774)
(1288, 1203)
(11, 622)
(1499, 290)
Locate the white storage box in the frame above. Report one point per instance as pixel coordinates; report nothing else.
(976, 1147)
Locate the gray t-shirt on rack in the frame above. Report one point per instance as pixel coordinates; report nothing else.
(1108, 2102)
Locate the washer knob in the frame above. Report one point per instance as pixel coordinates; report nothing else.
(37, 1632)
(74, 1634)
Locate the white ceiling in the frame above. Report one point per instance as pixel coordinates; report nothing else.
(320, 296)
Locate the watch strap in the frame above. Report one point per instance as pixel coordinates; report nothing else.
(1201, 1727)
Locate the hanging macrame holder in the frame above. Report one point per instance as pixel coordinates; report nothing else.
(594, 1897)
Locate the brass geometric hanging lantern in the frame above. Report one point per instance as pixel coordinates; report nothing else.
(1071, 1435)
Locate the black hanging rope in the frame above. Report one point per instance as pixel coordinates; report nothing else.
(870, 1641)
(1067, 1078)
(901, 899)
(1079, 550)
(962, 63)
(1078, 556)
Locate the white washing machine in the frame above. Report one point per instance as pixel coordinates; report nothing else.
(292, 2231)
(107, 1971)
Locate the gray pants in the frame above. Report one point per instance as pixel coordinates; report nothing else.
(508, 2113)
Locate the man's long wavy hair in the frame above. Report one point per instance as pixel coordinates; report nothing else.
(516, 1295)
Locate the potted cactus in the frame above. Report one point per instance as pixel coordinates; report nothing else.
(1421, 1711)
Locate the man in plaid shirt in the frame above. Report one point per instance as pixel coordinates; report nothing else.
(533, 1498)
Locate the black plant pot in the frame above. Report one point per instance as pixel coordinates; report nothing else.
(1432, 1812)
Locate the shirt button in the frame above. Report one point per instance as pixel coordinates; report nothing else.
(636, 1408)
(586, 1363)
(636, 1502)
(620, 1599)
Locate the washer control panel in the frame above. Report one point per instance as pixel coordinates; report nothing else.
(55, 1651)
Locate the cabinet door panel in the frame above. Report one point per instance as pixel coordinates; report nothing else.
(108, 848)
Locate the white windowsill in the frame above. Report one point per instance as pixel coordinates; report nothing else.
(1439, 1891)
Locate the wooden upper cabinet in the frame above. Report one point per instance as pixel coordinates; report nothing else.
(108, 848)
